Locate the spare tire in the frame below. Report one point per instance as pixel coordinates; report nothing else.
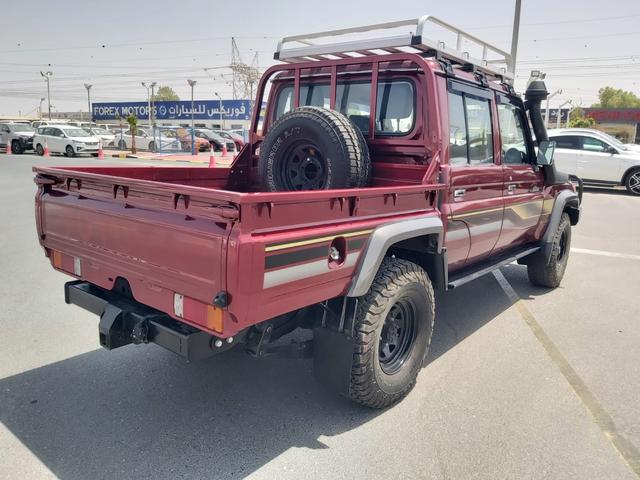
(313, 148)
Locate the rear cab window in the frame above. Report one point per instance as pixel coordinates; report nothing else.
(395, 105)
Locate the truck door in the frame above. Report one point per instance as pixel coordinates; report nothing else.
(523, 179)
(475, 188)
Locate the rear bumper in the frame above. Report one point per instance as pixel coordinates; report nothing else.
(124, 321)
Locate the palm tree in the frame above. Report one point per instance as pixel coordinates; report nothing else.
(132, 120)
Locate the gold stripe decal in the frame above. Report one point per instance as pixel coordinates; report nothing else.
(310, 241)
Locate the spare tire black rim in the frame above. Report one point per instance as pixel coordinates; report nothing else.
(397, 337)
(304, 167)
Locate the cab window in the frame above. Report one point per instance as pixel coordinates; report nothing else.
(470, 130)
(395, 103)
(570, 142)
(514, 146)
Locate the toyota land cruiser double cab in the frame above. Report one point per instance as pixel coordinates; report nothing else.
(407, 167)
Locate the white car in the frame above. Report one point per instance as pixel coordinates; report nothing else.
(103, 134)
(145, 140)
(597, 158)
(65, 139)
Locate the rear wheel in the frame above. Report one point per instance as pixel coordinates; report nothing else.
(549, 273)
(69, 151)
(313, 148)
(152, 146)
(632, 182)
(122, 145)
(393, 328)
(39, 150)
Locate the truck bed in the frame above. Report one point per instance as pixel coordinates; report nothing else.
(217, 259)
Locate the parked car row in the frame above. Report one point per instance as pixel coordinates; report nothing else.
(20, 136)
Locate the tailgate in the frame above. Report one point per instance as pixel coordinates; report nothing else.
(169, 247)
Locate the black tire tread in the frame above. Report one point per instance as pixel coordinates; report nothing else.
(392, 275)
(549, 274)
(627, 178)
(340, 130)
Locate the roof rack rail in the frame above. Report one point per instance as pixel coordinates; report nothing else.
(304, 49)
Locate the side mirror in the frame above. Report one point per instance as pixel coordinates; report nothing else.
(545, 152)
(611, 150)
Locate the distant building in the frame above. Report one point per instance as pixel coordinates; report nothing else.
(623, 123)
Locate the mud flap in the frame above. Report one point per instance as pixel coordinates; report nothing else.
(333, 359)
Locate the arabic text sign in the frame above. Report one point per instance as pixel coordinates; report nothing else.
(176, 110)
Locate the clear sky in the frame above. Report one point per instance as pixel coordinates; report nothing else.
(114, 45)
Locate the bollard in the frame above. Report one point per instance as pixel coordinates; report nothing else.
(225, 152)
(46, 149)
(100, 151)
(8, 147)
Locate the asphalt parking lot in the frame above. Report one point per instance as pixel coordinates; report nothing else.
(521, 382)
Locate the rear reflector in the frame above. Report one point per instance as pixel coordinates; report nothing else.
(214, 318)
(57, 259)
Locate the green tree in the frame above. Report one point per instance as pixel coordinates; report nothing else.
(165, 93)
(132, 120)
(577, 119)
(616, 98)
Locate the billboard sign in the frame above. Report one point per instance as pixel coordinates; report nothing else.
(175, 110)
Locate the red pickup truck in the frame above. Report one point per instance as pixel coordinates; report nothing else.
(200, 260)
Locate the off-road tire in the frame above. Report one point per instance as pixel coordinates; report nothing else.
(69, 151)
(313, 148)
(39, 150)
(16, 147)
(549, 273)
(397, 282)
(630, 182)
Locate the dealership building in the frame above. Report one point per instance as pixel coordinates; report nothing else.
(623, 123)
(217, 114)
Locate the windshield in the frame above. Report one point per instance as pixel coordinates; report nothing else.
(21, 127)
(76, 132)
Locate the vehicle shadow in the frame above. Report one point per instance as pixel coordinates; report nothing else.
(141, 412)
(607, 191)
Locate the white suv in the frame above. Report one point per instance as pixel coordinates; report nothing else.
(597, 158)
(65, 139)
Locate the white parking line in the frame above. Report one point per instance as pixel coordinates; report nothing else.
(604, 253)
(601, 417)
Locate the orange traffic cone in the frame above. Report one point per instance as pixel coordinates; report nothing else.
(46, 149)
(212, 158)
(225, 152)
(100, 151)
(8, 147)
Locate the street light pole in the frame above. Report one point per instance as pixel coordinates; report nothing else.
(220, 108)
(88, 87)
(514, 36)
(47, 77)
(42, 99)
(144, 84)
(192, 83)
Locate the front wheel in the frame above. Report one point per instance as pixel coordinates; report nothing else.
(632, 182)
(122, 145)
(39, 150)
(16, 147)
(393, 328)
(549, 273)
(69, 151)
(152, 146)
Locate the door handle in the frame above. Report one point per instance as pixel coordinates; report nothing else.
(459, 192)
(511, 188)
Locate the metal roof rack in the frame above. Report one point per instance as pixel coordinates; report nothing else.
(499, 67)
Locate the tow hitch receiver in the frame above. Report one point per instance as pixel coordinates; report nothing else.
(124, 321)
